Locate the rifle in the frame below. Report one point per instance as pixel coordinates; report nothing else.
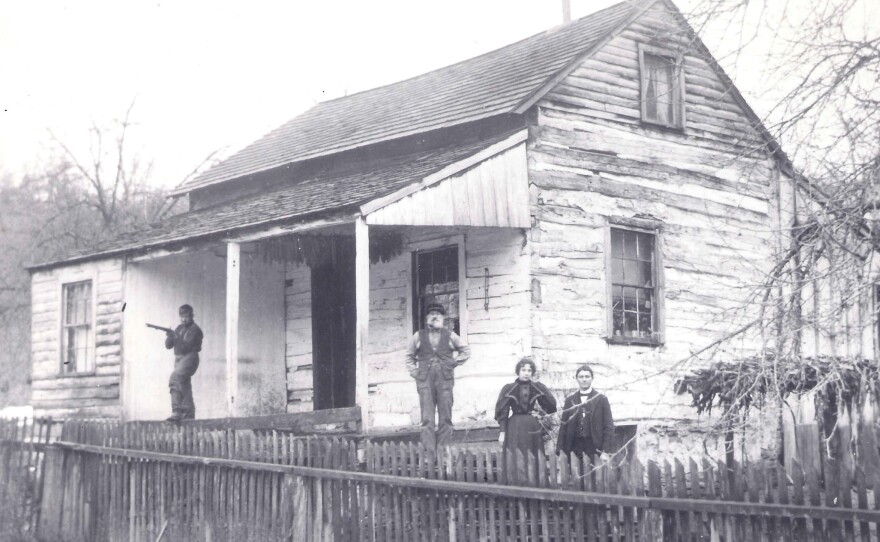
(160, 328)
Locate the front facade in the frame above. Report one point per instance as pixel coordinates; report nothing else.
(617, 208)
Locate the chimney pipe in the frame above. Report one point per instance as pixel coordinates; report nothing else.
(566, 11)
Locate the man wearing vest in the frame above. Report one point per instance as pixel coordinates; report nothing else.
(432, 355)
(587, 426)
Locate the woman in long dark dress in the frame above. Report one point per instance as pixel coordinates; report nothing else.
(519, 406)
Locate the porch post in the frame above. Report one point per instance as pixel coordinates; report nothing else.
(362, 303)
(233, 275)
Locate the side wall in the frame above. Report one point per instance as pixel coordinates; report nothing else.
(592, 160)
(155, 289)
(96, 395)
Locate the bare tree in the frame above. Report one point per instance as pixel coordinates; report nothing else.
(821, 66)
(71, 203)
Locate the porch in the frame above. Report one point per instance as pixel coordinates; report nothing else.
(316, 315)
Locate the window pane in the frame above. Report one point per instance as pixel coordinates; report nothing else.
(630, 324)
(629, 245)
(616, 270)
(617, 297)
(616, 243)
(82, 348)
(645, 275)
(629, 299)
(631, 272)
(646, 247)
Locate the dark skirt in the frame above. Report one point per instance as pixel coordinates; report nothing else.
(524, 434)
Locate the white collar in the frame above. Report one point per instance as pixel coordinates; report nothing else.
(582, 392)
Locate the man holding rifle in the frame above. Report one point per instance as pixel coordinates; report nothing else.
(186, 341)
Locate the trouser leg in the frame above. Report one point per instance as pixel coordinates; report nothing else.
(427, 404)
(180, 386)
(443, 389)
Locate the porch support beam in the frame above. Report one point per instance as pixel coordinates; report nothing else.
(233, 283)
(362, 304)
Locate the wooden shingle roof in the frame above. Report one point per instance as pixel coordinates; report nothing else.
(502, 81)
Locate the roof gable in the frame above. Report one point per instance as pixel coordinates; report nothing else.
(495, 83)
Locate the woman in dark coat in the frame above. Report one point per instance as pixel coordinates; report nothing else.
(519, 406)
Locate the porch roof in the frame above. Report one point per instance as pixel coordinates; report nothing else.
(337, 191)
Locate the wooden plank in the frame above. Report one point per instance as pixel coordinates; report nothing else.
(233, 287)
(799, 527)
(862, 502)
(362, 308)
(654, 518)
(782, 497)
(445, 173)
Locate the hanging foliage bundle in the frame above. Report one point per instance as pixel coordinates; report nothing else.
(737, 386)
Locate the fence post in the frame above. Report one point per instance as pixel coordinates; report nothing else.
(654, 518)
(52, 504)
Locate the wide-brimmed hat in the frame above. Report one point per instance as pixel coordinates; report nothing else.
(435, 307)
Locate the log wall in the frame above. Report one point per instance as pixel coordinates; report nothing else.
(498, 336)
(592, 160)
(96, 394)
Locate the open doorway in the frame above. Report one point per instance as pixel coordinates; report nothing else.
(334, 319)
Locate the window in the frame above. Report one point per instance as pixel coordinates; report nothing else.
(435, 280)
(633, 285)
(662, 87)
(77, 330)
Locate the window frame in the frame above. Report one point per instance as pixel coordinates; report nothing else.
(655, 229)
(412, 299)
(91, 361)
(677, 61)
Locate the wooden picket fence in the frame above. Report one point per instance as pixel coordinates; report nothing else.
(108, 481)
(22, 443)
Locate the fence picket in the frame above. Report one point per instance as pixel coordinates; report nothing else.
(101, 494)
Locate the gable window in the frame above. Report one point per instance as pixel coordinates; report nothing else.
(633, 284)
(662, 87)
(77, 328)
(436, 280)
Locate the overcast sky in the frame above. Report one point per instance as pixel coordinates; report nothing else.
(209, 75)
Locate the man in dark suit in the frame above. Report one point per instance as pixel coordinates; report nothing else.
(587, 426)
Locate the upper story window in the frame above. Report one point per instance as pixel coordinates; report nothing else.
(662, 87)
(634, 286)
(77, 328)
(436, 280)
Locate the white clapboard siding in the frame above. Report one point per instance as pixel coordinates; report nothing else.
(494, 192)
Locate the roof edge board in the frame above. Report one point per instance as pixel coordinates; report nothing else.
(218, 236)
(497, 148)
